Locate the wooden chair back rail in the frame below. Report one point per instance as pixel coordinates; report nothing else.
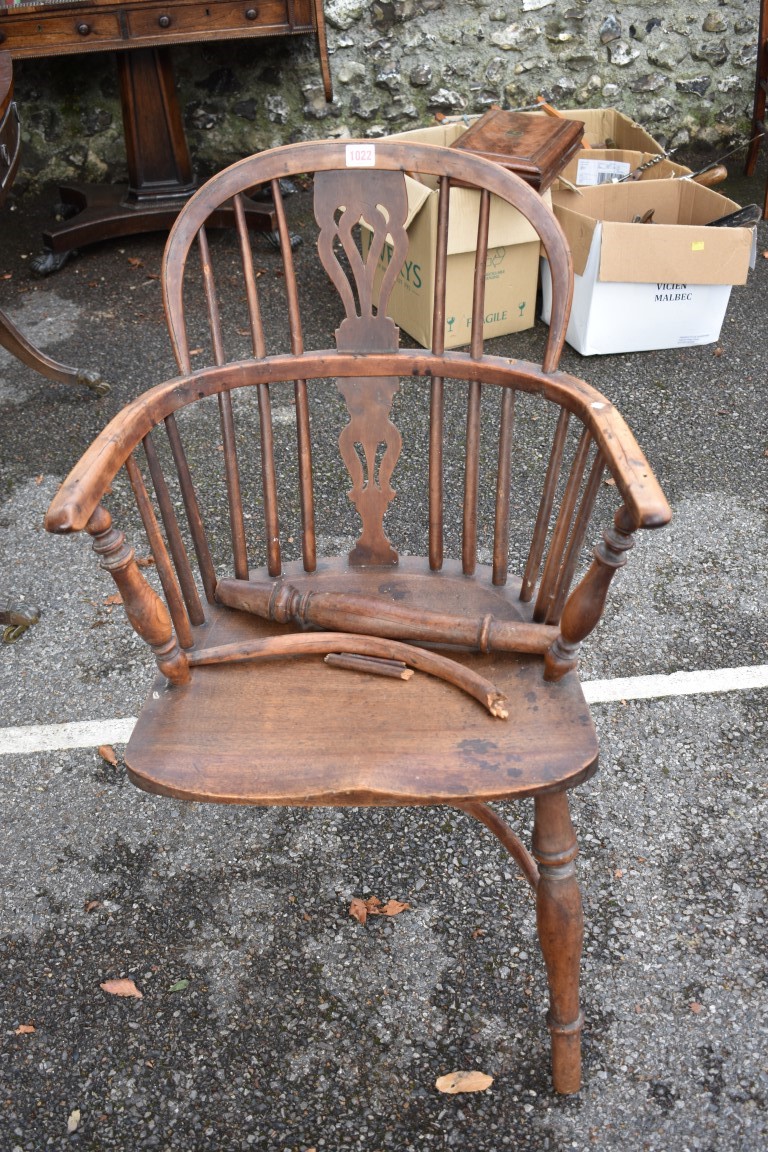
(86, 485)
(258, 341)
(237, 525)
(471, 480)
(441, 266)
(173, 597)
(481, 259)
(546, 504)
(436, 434)
(503, 489)
(234, 496)
(436, 411)
(568, 506)
(178, 552)
(308, 539)
(575, 544)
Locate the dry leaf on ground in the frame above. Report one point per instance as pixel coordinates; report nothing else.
(391, 908)
(24, 1029)
(121, 988)
(107, 752)
(463, 1082)
(362, 909)
(358, 910)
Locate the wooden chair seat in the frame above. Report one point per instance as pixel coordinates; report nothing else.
(499, 458)
(297, 731)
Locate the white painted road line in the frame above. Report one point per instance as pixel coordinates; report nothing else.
(57, 737)
(24, 741)
(675, 684)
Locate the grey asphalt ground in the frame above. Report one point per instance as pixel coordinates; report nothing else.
(272, 1020)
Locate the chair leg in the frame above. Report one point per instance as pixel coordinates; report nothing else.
(560, 923)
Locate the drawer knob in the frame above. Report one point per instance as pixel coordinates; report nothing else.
(164, 21)
(84, 29)
(251, 13)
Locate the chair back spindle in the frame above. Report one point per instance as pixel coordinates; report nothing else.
(192, 509)
(503, 488)
(173, 534)
(171, 590)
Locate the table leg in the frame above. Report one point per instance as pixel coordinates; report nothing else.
(17, 344)
(159, 168)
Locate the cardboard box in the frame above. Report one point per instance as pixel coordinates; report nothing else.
(607, 128)
(642, 286)
(612, 138)
(512, 269)
(608, 165)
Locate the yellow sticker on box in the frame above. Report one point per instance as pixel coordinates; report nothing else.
(697, 246)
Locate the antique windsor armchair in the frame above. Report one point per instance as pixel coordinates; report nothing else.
(243, 710)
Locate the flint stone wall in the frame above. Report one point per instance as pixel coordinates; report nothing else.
(685, 71)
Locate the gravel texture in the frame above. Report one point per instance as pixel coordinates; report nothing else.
(269, 1018)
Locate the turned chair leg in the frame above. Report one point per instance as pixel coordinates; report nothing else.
(560, 924)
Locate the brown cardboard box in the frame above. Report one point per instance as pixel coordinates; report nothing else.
(512, 268)
(607, 128)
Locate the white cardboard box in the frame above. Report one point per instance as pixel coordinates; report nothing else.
(642, 286)
(512, 268)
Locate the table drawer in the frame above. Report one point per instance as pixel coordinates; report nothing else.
(10, 139)
(45, 34)
(214, 19)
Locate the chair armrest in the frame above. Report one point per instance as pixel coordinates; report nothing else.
(84, 488)
(640, 491)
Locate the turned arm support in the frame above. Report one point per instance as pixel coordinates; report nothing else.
(145, 610)
(644, 506)
(585, 605)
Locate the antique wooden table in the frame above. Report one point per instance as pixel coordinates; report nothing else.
(160, 174)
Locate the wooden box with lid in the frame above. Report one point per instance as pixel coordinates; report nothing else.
(532, 144)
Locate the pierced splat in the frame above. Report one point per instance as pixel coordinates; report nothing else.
(368, 403)
(342, 201)
(370, 444)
